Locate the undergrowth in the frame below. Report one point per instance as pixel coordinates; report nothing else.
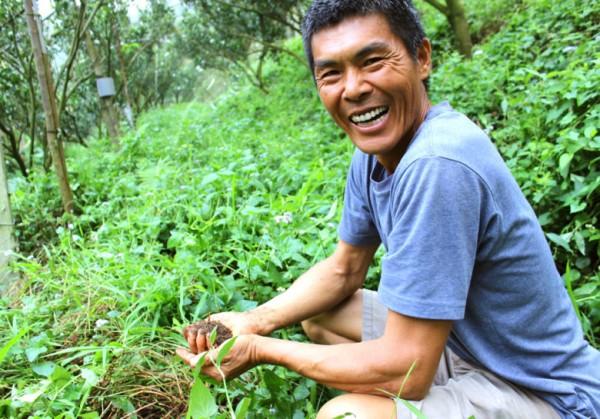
(211, 207)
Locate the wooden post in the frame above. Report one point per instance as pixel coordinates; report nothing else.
(7, 237)
(42, 65)
(109, 116)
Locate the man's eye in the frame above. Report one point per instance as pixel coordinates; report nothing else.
(329, 74)
(372, 60)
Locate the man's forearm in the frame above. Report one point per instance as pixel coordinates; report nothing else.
(322, 287)
(364, 367)
(316, 291)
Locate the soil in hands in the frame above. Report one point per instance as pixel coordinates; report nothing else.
(207, 326)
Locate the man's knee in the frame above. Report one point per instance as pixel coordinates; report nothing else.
(358, 406)
(315, 331)
(341, 324)
(335, 408)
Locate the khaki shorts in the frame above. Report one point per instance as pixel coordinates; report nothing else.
(460, 390)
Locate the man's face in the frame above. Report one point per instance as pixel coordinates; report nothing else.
(370, 84)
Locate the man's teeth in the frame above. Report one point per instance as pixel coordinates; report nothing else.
(366, 117)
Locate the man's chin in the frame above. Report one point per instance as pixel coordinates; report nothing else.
(371, 146)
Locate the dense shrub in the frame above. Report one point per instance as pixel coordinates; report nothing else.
(219, 206)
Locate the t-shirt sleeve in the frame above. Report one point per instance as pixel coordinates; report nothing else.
(357, 227)
(427, 270)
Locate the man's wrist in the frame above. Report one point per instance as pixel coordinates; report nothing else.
(263, 350)
(260, 322)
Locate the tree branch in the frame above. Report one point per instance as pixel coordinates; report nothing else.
(439, 6)
(14, 148)
(266, 15)
(71, 59)
(76, 85)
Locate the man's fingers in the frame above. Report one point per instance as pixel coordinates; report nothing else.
(201, 342)
(191, 340)
(188, 357)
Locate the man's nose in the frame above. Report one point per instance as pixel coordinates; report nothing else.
(355, 86)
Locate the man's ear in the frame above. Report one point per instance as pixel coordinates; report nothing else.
(424, 59)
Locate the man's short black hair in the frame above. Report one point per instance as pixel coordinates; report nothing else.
(401, 16)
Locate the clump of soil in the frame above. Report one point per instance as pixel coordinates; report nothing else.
(206, 327)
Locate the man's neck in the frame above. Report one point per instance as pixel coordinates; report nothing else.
(391, 160)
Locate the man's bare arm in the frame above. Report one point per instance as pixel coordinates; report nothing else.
(319, 289)
(381, 367)
(371, 367)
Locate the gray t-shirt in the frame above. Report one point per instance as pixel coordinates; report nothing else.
(463, 244)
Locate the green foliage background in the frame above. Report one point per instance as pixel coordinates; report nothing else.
(217, 206)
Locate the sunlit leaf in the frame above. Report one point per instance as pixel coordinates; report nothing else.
(202, 403)
(225, 349)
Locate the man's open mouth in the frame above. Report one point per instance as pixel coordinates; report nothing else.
(370, 117)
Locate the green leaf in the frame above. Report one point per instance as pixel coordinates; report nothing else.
(91, 378)
(241, 410)
(198, 366)
(212, 338)
(586, 290)
(299, 414)
(577, 207)
(559, 240)
(563, 164)
(274, 384)
(504, 106)
(580, 242)
(202, 403)
(33, 353)
(12, 342)
(332, 211)
(45, 369)
(225, 348)
(301, 392)
(123, 403)
(582, 262)
(60, 374)
(590, 132)
(208, 179)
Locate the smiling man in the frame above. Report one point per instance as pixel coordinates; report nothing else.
(471, 316)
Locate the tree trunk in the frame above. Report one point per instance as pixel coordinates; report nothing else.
(460, 25)
(109, 116)
(454, 10)
(42, 65)
(124, 79)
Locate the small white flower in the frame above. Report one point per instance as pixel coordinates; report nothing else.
(286, 218)
(101, 323)
(477, 52)
(70, 226)
(569, 49)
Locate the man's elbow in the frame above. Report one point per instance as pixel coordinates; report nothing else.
(412, 388)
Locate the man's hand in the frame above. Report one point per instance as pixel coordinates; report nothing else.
(238, 323)
(240, 358)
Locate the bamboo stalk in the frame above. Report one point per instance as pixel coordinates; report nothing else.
(42, 64)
